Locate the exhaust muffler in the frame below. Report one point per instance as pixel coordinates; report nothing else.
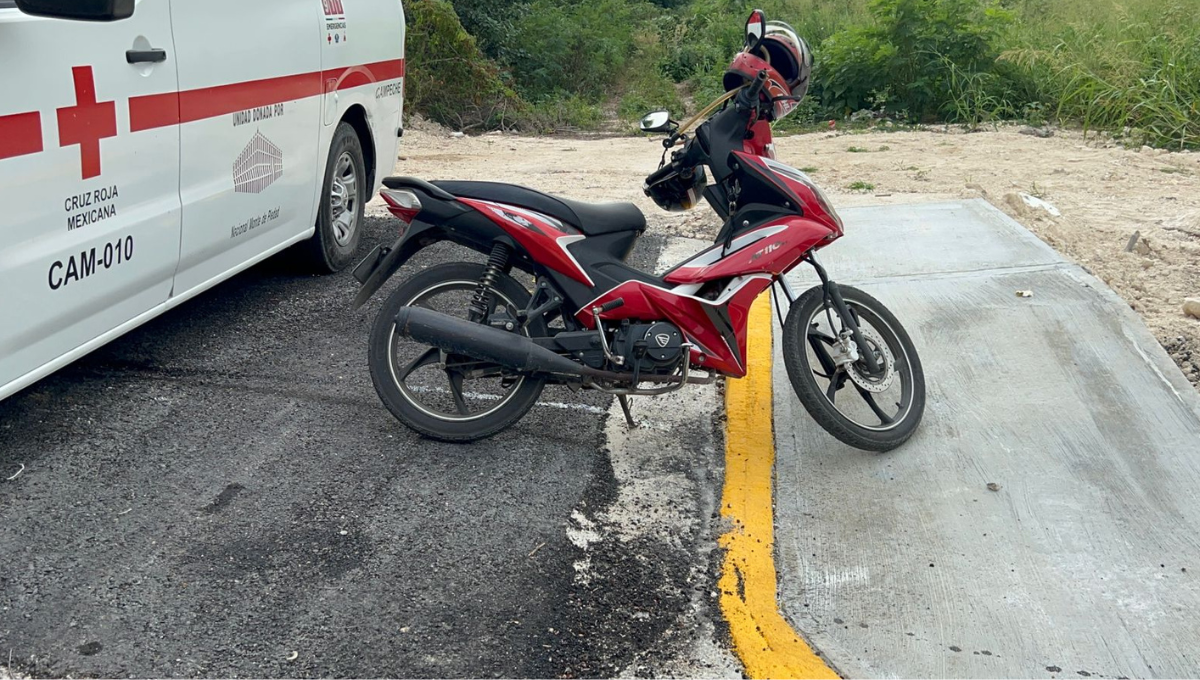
(459, 336)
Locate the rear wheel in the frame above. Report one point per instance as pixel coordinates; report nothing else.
(446, 396)
(874, 412)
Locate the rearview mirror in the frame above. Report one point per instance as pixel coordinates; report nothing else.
(756, 26)
(656, 121)
(80, 10)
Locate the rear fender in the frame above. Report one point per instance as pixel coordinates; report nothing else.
(383, 262)
(443, 218)
(470, 230)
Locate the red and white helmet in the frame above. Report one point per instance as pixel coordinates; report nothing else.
(783, 55)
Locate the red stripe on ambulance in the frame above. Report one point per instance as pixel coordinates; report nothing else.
(162, 110)
(20, 134)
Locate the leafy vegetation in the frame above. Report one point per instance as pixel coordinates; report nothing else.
(448, 78)
(905, 61)
(1128, 66)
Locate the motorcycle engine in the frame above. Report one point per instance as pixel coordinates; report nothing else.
(649, 348)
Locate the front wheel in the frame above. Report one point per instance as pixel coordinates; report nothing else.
(874, 412)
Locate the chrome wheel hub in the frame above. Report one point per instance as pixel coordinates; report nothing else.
(343, 199)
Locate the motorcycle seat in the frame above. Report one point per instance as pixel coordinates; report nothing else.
(593, 219)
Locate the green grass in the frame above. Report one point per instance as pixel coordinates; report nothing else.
(1114, 65)
(1130, 67)
(808, 169)
(860, 185)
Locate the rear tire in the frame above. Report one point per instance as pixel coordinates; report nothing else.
(803, 337)
(405, 401)
(343, 199)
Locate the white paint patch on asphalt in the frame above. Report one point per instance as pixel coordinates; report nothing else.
(666, 495)
(585, 534)
(582, 536)
(1042, 522)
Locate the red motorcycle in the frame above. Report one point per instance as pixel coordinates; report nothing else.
(461, 351)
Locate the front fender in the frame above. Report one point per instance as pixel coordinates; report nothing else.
(383, 262)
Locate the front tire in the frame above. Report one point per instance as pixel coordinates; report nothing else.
(416, 382)
(873, 413)
(343, 199)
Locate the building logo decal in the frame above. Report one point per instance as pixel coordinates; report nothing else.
(258, 166)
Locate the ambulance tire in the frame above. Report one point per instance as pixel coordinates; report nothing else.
(343, 197)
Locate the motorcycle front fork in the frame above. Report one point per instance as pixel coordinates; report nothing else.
(833, 297)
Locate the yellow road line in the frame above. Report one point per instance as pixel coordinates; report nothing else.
(763, 639)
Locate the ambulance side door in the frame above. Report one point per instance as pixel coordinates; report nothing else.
(250, 110)
(89, 234)
(363, 58)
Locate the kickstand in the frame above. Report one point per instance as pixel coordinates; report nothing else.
(625, 407)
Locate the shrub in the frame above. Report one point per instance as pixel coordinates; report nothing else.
(644, 84)
(907, 60)
(492, 22)
(575, 47)
(448, 79)
(556, 114)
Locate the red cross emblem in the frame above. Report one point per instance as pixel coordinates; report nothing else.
(87, 122)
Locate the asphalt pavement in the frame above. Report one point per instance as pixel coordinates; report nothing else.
(221, 493)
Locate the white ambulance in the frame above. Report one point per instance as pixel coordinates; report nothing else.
(150, 149)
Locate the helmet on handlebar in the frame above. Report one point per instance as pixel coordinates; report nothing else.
(786, 59)
(676, 189)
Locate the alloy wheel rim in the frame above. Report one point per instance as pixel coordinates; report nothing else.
(890, 413)
(343, 199)
(412, 393)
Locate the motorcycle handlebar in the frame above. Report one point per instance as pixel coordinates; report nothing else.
(750, 94)
(693, 154)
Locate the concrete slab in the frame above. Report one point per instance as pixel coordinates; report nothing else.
(1085, 560)
(931, 238)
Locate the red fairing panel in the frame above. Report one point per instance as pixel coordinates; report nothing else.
(717, 327)
(545, 238)
(796, 184)
(773, 249)
(760, 142)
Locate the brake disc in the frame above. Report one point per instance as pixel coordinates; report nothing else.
(883, 354)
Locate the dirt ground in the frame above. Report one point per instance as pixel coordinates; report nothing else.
(1104, 194)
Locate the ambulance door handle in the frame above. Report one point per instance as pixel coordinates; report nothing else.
(153, 55)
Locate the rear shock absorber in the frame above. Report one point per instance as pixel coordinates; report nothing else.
(495, 266)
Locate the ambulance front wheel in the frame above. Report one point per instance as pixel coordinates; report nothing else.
(343, 197)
